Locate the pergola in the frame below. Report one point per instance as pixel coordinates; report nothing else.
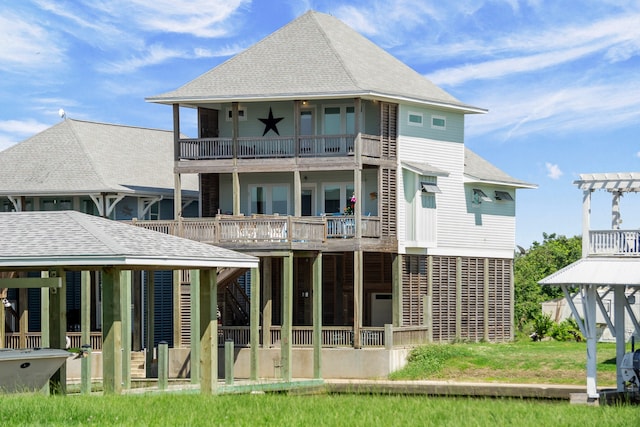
(55, 242)
(612, 264)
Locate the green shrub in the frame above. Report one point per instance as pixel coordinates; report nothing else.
(567, 330)
(542, 325)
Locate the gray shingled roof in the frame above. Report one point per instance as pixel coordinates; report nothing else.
(79, 157)
(70, 238)
(477, 169)
(314, 56)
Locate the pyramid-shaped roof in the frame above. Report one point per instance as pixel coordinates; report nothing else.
(80, 157)
(70, 238)
(315, 56)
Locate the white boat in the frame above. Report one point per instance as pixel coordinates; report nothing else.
(28, 370)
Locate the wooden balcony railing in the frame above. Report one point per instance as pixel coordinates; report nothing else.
(259, 228)
(302, 336)
(275, 147)
(614, 242)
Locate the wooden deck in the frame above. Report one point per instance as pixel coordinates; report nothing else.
(273, 231)
(279, 147)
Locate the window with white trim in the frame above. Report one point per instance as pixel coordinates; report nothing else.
(242, 114)
(438, 122)
(428, 186)
(268, 199)
(415, 119)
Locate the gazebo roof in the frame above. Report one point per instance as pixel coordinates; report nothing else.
(40, 240)
(600, 271)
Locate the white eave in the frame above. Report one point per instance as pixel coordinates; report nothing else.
(605, 271)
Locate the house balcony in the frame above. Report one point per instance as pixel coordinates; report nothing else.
(614, 243)
(258, 232)
(279, 147)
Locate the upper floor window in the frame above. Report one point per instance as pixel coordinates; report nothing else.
(339, 120)
(438, 122)
(415, 119)
(242, 114)
(429, 188)
(269, 199)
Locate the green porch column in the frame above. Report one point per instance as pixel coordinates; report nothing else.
(150, 321)
(125, 305)
(177, 315)
(111, 331)
(45, 330)
(208, 331)
(287, 317)
(58, 328)
(85, 328)
(254, 339)
(317, 316)
(85, 308)
(357, 297)
(195, 327)
(267, 301)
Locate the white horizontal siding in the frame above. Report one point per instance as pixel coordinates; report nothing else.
(488, 229)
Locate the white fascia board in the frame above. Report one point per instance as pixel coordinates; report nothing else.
(467, 179)
(18, 263)
(194, 101)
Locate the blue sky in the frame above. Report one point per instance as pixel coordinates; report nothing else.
(560, 78)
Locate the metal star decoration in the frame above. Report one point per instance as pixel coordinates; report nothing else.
(270, 123)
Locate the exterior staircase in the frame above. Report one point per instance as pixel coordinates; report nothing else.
(137, 364)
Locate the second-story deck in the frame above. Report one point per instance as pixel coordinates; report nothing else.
(614, 243)
(279, 147)
(274, 231)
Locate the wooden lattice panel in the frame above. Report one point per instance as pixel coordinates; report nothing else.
(414, 288)
(444, 299)
(472, 296)
(388, 206)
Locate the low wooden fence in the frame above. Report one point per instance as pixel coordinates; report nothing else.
(302, 336)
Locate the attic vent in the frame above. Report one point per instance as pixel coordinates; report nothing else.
(428, 187)
(479, 196)
(503, 195)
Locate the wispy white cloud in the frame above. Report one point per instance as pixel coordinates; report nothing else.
(616, 39)
(553, 171)
(13, 131)
(26, 45)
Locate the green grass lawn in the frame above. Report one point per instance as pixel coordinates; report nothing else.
(548, 362)
(295, 410)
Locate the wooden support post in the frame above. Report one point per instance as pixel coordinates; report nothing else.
(396, 290)
(58, 329)
(3, 317)
(125, 306)
(111, 331)
(317, 315)
(23, 313)
(138, 307)
(194, 356)
(208, 331)
(150, 321)
(287, 317)
(357, 297)
(45, 330)
(177, 315)
(458, 333)
(297, 193)
(485, 314)
(236, 192)
(85, 369)
(228, 361)
(163, 365)
(429, 319)
(85, 308)
(267, 301)
(254, 340)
